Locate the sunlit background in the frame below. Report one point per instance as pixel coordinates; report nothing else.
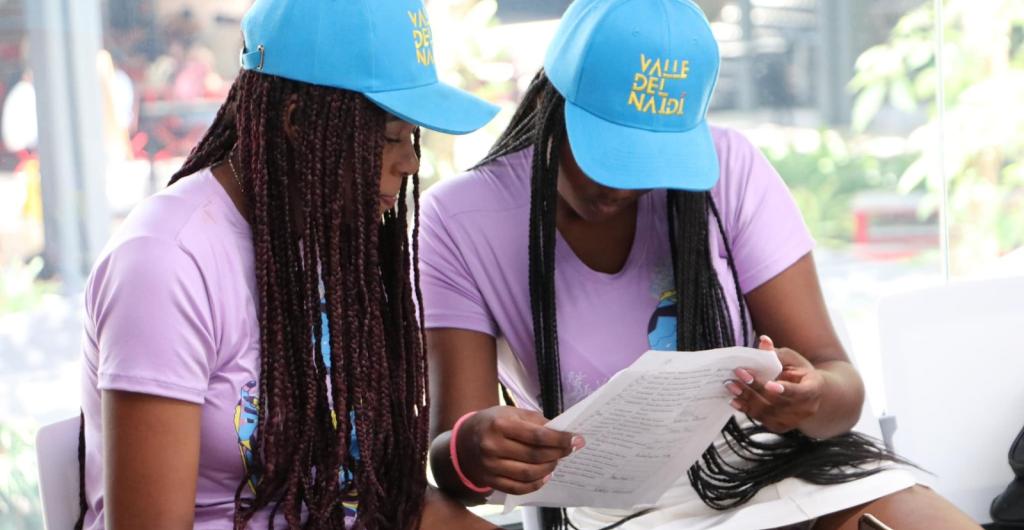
(907, 169)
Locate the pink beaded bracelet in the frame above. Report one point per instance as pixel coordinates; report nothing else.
(455, 457)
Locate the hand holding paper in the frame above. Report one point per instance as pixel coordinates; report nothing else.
(645, 428)
(510, 449)
(781, 405)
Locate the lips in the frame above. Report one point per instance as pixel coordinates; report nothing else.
(388, 201)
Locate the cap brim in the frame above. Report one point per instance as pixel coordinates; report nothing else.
(627, 158)
(438, 107)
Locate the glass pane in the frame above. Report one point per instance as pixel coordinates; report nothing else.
(984, 136)
(878, 225)
(22, 359)
(810, 81)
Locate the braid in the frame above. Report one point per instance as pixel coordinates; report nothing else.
(544, 198)
(337, 257)
(538, 122)
(83, 503)
(703, 322)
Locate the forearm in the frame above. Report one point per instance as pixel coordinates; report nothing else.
(463, 378)
(444, 472)
(442, 512)
(842, 399)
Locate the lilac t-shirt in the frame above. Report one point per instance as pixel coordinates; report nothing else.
(171, 312)
(474, 268)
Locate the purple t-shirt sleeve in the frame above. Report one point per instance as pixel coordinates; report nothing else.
(451, 297)
(766, 230)
(153, 323)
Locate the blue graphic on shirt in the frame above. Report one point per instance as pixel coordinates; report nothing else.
(661, 329)
(246, 419)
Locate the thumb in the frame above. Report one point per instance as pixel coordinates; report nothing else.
(790, 358)
(765, 343)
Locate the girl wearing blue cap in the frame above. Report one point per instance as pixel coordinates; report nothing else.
(611, 219)
(253, 356)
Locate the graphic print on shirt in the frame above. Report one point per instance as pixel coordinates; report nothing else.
(247, 416)
(661, 328)
(576, 387)
(246, 419)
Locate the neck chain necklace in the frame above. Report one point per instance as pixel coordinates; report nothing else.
(231, 164)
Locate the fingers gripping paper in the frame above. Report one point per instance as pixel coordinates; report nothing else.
(645, 427)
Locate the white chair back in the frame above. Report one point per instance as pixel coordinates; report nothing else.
(57, 454)
(531, 518)
(953, 358)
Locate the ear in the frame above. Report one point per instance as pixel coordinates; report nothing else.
(291, 108)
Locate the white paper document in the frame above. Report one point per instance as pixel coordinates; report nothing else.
(645, 427)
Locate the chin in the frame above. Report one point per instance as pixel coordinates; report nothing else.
(597, 214)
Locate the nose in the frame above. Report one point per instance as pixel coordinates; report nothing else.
(407, 163)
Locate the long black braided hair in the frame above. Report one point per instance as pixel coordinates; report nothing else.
(704, 322)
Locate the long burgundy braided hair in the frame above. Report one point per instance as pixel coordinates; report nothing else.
(321, 245)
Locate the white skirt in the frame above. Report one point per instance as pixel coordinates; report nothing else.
(788, 502)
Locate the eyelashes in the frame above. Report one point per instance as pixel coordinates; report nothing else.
(400, 138)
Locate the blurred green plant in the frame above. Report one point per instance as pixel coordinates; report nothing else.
(20, 287)
(20, 506)
(983, 151)
(824, 172)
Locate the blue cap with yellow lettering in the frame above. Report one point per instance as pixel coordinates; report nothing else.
(382, 49)
(637, 77)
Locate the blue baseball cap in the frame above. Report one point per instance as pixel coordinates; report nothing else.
(637, 77)
(382, 49)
